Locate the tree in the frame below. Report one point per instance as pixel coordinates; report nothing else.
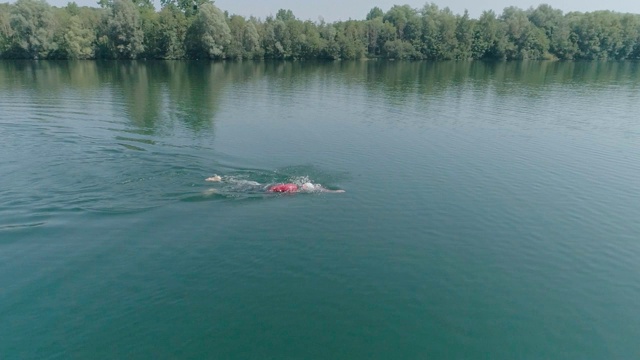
(374, 29)
(209, 35)
(439, 33)
(464, 36)
(399, 49)
(77, 40)
(187, 7)
(237, 25)
(331, 49)
(489, 37)
(150, 26)
(547, 18)
(251, 41)
(120, 36)
(351, 40)
(275, 39)
(314, 44)
(297, 38)
(599, 35)
(5, 28)
(524, 40)
(556, 29)
(171, 33)
(285, 15)
(376, 34)
(630, 36)
(33, 27)
(129, 29)
(400, 17)
(375, 13)
(245, 40)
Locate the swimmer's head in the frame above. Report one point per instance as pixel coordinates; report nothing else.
(308, 186)
(214, 178)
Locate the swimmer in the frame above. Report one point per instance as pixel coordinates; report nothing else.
(294, 188)
(276, 188)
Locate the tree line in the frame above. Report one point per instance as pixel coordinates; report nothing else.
(197, 29)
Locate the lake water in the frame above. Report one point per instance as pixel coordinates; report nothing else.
(492, 210)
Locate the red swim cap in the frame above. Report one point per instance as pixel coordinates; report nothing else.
(283, 188)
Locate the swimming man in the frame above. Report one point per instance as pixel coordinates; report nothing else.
(281, 187)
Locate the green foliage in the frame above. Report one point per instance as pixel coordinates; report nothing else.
(245, 40)
(76, 40)
(5, 28)
(331, 48)
(150, 26)
(76, 30)
(375, 13)
(399, 49)
(187, 7)
(251, 41)
(73, 9)
(350, 39)
(556, 29)
(631, 37)
(524, 39)
(33, 25)
(605, 35)
(464, 37)
(285, 15)
(275, 39)
(377, 34)
(404, 19)
(170, 34)
(489, 39)
(209, 35)
(439, 39)
(120, 35)
(196, 29)
(236, 47)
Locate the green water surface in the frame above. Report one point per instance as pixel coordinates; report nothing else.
(492, 210)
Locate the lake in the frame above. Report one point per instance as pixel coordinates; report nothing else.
(491, 210)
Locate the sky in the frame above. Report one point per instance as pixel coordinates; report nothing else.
(332, 10)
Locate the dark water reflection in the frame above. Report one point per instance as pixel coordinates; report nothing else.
(190, 92)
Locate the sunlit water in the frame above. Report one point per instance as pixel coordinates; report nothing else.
(491, 210)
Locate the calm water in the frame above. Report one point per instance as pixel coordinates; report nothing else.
(491, 210)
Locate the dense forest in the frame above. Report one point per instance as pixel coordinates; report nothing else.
(197, 29)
